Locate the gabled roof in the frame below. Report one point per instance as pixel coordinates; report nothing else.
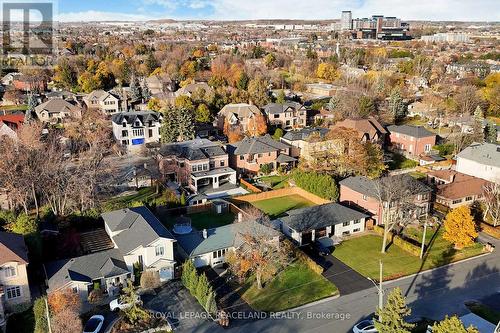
(309, 218)
(304, 133)
(413, 131)
(192, 87)
(368, 126)
(193, 150)
(484, 153)
(222, 238)
(12, 248)
(12, 120)
(257, 145)
(57, 105)
(461, 187)
(131, 116)
(104, 264)
(137, 227)
(276, 108)
(241, 110)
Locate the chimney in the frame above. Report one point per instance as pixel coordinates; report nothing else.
(240, 217)
(452, 177)
(205, 234)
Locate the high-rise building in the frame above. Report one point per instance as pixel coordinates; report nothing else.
(346, 20)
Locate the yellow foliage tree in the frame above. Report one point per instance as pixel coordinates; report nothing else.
(327, 71)
(459, 227)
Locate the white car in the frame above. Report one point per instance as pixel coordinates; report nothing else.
(365, 326)
(118, 304)
(94, 324)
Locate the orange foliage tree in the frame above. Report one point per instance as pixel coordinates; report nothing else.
(64, 299)
(257, 125)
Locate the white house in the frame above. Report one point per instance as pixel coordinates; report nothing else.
(104, 101)
(136, 128)
(480, 160)
(305, 225)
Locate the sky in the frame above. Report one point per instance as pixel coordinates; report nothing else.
(138, 10)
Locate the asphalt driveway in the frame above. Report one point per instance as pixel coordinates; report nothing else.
(346, 279)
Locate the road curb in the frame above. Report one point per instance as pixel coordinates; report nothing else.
(436, 268)
(321, 301)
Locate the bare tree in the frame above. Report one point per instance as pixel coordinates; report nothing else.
(492, 203)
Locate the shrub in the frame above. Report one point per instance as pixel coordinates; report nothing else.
(308, 261)
(64, 299)
(150, 279)
(40, 314)
(266, 169)
(322, 185)
(95, 296)
(65, 321)
(407, 246)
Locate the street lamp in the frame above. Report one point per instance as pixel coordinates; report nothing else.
(380, 290)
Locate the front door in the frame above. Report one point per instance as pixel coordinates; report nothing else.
(306, 238)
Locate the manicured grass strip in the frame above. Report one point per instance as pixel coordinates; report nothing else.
(363, 254)
(295, 286)
(277, 206)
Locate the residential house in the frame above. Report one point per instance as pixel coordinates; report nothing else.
(105, 270)
(209, 246)
(305, 225)
(322, 89)
(190, 88)
(159, 84)
(57, 111)
(142, 239)
(14, 286)
(289, 115)
(9, 124)
(29, 83)
(480, 160)
(308, 142)
(202, 166)
(423, 110)
(104, 101)
(454, 189)
(250, 154)
(412, 141)
(237, 114)
(8, 78)
(368, 129)
(135, 128)
(361, 192)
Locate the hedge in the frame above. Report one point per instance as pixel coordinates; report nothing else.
(399, 241)
(490, 230)
(322, 185)
(308, 261)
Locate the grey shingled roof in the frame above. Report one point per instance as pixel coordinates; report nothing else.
(137, 226)
(86, 268)
(304, 133)
(283, 158)
(368, 187)
(131, 116)
(309, 218)
(484, 153)
(221, 238)
(12, 248)
(413, 131)
(193, 150)
(276, 108)
(257, 145)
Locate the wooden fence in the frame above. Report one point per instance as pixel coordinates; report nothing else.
(250, 186)
(282, 192)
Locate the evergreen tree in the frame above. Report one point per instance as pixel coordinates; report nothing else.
(391, 318)
(332, 103)
(211, 305)
(146, 93)
(135, 89)
(169, 129)
(203, 289)
(189, 277)
(30, 111)
(397, 107)
(185, 124)
(280, 97)
(490, 134)
(452, 325)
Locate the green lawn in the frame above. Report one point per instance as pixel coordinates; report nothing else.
(276, 182)
(484, 312)
(202, 220)
(401, 162)
(363, 254)
(295, 286)
(144, 194)
(276, 206)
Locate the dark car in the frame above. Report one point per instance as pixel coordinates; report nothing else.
(323, 247)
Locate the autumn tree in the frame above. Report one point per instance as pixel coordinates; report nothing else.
(459, 227)
(391, 318)
(327, 71)
(397, 107)
(491, 93)
(258, 92)
(269, 60)
(202, 114)
(66, 320)
(492, 203)
(452, 325)
(257, 125)
(64, 299)
(233, 132)
(466, 100)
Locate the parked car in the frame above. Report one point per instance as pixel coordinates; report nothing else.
(324, 246)
(94, 324)
(118, 304)
(365, 326)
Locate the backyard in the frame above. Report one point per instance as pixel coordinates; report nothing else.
(363, 254)
(275, 182)
(400, 162)
(295, 286)
(202, 220)
(274, 207)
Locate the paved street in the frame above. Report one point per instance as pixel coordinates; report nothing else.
(433, 294)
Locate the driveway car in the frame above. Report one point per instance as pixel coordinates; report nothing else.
(94, 324)
(324, 246)
(365, 326)
(118, 304)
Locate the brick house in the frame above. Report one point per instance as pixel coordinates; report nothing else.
(250, 154)
(368, 129)
(412, 141)
(361, 192)
(454, 189)
(237, 114)
(288, 115)
(29, 83)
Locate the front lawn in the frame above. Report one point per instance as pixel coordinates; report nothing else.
(295, 286)
(202, 220)
(274, 207)
(363, 254)
(401, 162)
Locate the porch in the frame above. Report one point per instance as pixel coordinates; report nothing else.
(212, 179)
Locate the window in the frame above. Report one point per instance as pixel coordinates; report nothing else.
(124, 142)
(10, 271)
(150, 132)
(357, 221)
(159, 250)
(427, 147)
(212, 165)
(457, 201)
(124, 124)
(356, 230)
(13, 292)
(346, 233)
(259, 155)
(205, 167)
(222, 163)
(345, 224)
(124, 133)
(468, 198)
(138, 132)
(75, 290)
(241, 157)
(219, 253)
(276, 116)
(193, 168)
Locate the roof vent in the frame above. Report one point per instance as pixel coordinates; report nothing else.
(205, 234)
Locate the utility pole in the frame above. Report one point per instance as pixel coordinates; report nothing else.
(380, 290)
(423, 240)
(48, 315)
